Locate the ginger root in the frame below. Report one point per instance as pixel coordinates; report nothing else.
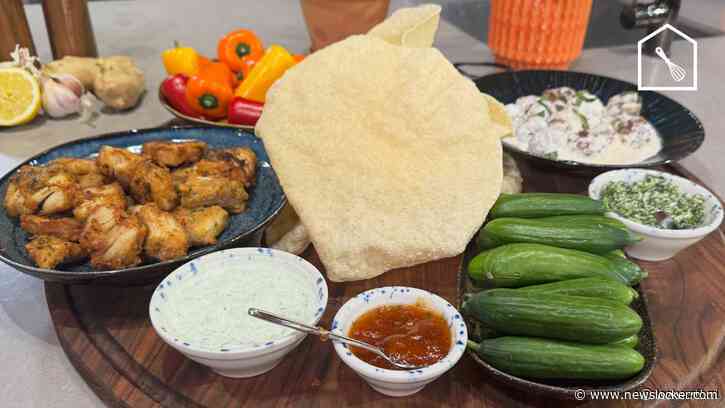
(84, 69)
(116, 81)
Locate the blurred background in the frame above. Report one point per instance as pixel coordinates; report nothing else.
(698, 18)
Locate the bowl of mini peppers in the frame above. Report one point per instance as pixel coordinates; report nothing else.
(229, 90)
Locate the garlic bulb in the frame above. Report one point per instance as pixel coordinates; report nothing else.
(90, 109)
(61, 95)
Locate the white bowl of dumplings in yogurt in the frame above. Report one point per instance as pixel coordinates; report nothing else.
(575, 125)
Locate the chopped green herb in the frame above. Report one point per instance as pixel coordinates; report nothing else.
(544, 105)
(580, 95)
(585, 122)
(655, 201)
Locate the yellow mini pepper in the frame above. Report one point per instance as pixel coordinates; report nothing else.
(180, 60)
(269, 68)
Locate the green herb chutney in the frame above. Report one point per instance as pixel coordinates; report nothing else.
(655, 201)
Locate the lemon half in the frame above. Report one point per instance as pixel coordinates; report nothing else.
(19, 96)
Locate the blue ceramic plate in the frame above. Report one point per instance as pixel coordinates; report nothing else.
(681, 131)
(266, 199)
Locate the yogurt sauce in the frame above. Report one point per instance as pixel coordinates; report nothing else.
(211, 312)
(564, 124)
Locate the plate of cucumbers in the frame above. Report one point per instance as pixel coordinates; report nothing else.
(552, 304)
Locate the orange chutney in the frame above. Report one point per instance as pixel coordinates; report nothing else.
(411, 334)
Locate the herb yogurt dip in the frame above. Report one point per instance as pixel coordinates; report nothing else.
(211, 313)
(655, 201)
(564, 124)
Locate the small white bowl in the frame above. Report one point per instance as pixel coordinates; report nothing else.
(661, 244)
(396, 383)
(246, 360)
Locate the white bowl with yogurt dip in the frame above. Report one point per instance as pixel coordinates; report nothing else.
(399, 383)
(660, 244)
(200, 309)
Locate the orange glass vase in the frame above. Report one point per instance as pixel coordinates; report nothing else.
(329, 21)
(538, 33)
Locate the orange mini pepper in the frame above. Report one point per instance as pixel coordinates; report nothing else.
(210, 91)
(203, 61)
(243, 73)
(238, 48)
(298, 57)
(272, 66)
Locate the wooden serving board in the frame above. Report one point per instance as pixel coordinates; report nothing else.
(107, 335)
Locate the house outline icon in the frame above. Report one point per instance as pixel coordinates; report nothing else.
(667, 88)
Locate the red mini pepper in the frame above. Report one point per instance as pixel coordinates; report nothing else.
(174, 90)
(244, 112)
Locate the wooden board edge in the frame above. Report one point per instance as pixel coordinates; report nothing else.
(62, 315)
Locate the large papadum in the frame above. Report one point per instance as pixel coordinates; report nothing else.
(386, 153)
(410, 27)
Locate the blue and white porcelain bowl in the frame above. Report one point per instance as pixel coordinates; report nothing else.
(397, 383)
(659, 244)
(245, 359)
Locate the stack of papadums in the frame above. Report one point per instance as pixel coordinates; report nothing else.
(389, 156)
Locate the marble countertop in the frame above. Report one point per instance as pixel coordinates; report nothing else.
(35, 371)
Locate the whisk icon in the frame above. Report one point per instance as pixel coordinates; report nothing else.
(676, 72)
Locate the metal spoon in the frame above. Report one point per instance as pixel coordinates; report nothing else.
(325, 334)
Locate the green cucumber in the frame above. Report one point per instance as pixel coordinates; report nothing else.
(627, 268)
(574, 318)
(596, 287)
(516, 265)
(616, 252)
(533, 205)
(630, 341)
(596, 237)
(478, 331)
(586, 219)
(552, 359)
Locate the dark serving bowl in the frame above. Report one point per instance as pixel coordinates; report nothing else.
(265, 201)
(563, 389)
(680, 130)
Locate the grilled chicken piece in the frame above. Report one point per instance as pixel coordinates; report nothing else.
(118, 163)
(48, 251)
(113, 238)
(201, 191)
(166, 237)
(63, 194)
(152, 183)
(15, 202)
(202, 225)
(172, 154)
(110, 195)
(209, 168)
(65, 228)
(92, 180)
(40, 189)
(244, 157)
(86, 172)
(75, 166)
(213, 182)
